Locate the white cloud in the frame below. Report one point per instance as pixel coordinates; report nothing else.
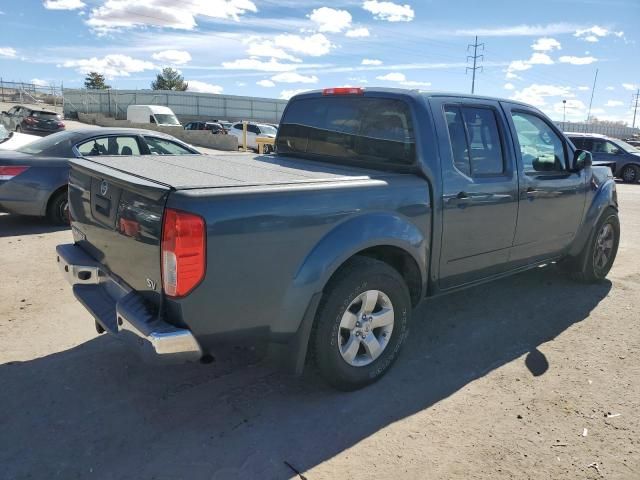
(613, 103)
(265, 83)
(630, 86)
(512, 76)
(287, 94)
(39, 82)
(389, 11)
(63, 4)
(7, 52)
(358, 80)
(610, 88)
(114, 65)
(546, 44)
(402, 80)
(595, 33)
(509, 86)
(273, 65)
(518, 30)
(370, 61)
(518, 66)
(583, 88)
(358, 32)
(574, 109)
(577, 60)
(540, 59)
(266, 48)
(393, 77)
(293, 77)
(314, 45)
(173, 57)
(535, 93)
(114, 14)
(202, 87)
(331, 20)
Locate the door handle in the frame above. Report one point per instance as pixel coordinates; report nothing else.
(531, 190)
(462, 196)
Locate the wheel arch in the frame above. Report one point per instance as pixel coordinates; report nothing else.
(52, 195)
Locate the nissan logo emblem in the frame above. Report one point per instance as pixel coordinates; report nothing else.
(104, 188)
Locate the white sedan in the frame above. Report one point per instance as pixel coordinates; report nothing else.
(13, 140)
(254, 130)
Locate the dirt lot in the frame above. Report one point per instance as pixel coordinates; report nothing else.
(530, 377)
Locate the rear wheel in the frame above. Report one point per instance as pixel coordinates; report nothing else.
(630, 174)
(598, 255)
(58, 210)
(361, 323)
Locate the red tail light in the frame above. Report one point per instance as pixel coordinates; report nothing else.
(183, 252)
(30, 120)
(343, 91)
(8, 172)
(61, 124)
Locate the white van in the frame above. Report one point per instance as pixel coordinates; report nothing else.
(156, 114)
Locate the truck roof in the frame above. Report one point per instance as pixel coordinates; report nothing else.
(414, 92)
(185, 172)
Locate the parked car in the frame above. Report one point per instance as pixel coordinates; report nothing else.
(154, 114)
(254, 130)
(33, 178)
(227, 125)
(214, 127)
(13, 140)
(620, 156)
(375, 200)
(30, 120)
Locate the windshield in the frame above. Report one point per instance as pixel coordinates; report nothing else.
(45, 144)
(166, 119)
(268, 130)
(626, 146)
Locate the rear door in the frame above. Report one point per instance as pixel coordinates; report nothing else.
(551, 196)
(480, 187)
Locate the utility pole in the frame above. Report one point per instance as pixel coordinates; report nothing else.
(564, 113)
(635, 108)
(475, 58)
(595, 79)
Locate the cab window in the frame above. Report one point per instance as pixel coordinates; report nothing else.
(541, 148)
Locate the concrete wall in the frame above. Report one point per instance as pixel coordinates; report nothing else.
(198, 138)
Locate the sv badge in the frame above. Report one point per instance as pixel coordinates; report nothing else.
(151, 284)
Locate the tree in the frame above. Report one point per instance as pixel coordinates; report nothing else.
(169, 79)
(95, 80)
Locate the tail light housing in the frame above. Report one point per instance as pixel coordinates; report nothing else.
(343, 91)
(30, 120)
(183, 252)
(10, 171)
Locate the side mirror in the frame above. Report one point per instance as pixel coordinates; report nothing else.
(581, 160)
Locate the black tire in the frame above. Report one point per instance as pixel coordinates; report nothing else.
(630, 174)
(58, 209)
(359, 275)
(589, 268)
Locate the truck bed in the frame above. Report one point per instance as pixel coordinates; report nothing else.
(183, 172)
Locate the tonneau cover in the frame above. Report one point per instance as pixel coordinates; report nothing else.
(229, 169)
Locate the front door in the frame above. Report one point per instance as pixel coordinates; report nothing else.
(551, 196)
(480, 185)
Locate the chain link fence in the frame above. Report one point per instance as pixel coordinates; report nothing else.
(188, 106)
(33, 94)
(616, 131)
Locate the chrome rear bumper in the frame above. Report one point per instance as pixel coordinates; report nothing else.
(121, 311)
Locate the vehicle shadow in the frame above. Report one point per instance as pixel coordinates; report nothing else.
(95, 410)
(17, 225)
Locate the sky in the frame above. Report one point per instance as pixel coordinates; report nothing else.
(541, 52)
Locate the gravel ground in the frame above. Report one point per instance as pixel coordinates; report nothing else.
(529, 377)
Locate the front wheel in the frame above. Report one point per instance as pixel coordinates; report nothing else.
(58, 210)
(598, 255)
(630, 174)
(361, 323)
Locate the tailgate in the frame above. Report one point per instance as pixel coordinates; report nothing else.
(116, 218)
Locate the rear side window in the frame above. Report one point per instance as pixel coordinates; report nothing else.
(353, 129)
(161, 146)
(475, 140)
(578, 142)
(109, 146)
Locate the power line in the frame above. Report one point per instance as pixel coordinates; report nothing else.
(475, 58)
(593, 89)
(634, 98)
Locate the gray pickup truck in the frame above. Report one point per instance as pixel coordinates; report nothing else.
(375, 199)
